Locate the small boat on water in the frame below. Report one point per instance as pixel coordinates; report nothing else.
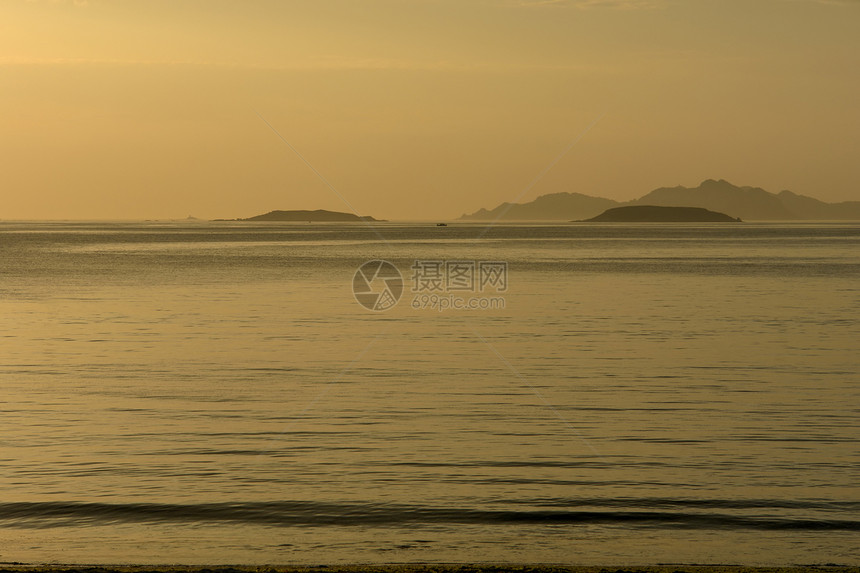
(441, 224)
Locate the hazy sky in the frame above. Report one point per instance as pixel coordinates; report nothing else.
(417, 108)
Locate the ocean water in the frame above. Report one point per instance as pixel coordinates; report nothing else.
(213, 393)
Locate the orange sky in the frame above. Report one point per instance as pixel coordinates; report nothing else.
(416, 108)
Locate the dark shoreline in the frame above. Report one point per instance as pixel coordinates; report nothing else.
(424, 568)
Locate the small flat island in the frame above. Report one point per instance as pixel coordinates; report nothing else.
(657, 214)
(299, 216)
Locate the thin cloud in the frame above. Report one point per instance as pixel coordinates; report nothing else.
(596, 4)
(647, 4)
(838, 2)
(78, 3)
(328, 64)
(854, 3)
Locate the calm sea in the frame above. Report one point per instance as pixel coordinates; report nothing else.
(214, 393)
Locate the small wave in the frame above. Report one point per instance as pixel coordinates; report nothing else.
(301, 513)
(704, 503)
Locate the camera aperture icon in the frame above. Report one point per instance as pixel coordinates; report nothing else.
(377, 285)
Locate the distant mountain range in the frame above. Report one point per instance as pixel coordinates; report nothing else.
(747, 203)
(560, 206)
(320, 215)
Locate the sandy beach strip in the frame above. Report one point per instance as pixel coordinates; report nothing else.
(423, 568)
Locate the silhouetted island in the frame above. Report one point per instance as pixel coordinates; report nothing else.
(320, 215)
(658, 214)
